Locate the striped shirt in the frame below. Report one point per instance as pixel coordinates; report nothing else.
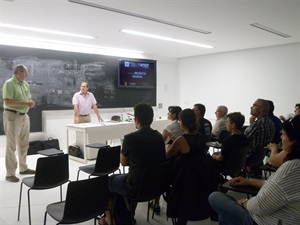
(279, 197)
(84, 102)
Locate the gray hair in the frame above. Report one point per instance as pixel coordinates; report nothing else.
(19, 68)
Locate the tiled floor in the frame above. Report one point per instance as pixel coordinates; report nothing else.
(9, 195)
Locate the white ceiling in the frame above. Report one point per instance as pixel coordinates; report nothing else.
(227, 20)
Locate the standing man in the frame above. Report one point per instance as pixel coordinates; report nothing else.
(83, 102)
(16, 103)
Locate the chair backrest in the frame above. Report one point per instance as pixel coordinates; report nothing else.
(86, 199)
(108, 158)
(51, 171)
(223, 135)
(256, 158)
(155, 181)
(236, 161)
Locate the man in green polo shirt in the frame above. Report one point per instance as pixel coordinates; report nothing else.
(16, 103)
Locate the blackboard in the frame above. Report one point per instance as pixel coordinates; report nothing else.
(54, 77)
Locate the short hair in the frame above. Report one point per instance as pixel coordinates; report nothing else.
(271, 106)
(19, 68)
(188, 119)
(144, 113)
(175, 109)
(264, 105)
(201, 108)
(87, 84)
(297, 105)
(223, 108)
(292, 129)
(237, 118)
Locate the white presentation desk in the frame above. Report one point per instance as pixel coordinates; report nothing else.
(88, 133)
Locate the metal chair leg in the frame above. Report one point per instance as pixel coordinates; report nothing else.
(20, 198)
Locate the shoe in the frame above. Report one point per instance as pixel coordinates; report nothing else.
(156, 208)
(13, 179)
(28, 171)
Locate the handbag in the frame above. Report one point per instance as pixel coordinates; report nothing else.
(74, 150)
(51, 143)
(34, 147)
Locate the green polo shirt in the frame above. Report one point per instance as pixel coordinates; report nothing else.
(16, 90)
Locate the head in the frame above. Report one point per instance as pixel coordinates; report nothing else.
(84, 87)
(173, 112)
(221, 111)
(187, 120)
(260, 108)
(291, 138)
(297, 109)
(271, 106)
(199, 110)
(21, 72)
(235, 121)
(143, 114)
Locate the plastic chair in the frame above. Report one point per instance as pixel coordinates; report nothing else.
(255, 160)
(50, 172)
(155, 181)
(236, 162)
(85, 200)
(108, 161)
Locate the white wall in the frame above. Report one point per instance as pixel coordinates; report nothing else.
(236, 79)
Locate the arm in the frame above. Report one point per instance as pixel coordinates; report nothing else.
(241, 181)
(165, 134)
(179, 145)
(76, 111)
(217, 156)
(97, 112)
(13, 103)
(276, 159)
(124, 160)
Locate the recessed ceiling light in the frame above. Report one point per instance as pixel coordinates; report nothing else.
(165, 38)
(12, 26)
(257, 25)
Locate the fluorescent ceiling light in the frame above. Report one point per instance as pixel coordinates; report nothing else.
(12, 26)
(257, 25)
(94, 5)
(166, 38)
(34, 42)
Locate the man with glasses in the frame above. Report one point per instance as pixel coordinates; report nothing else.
(259, 134)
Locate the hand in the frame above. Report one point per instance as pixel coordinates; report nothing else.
(30, 104)
(252, 119)
(282, 118)
(273, 147)
(76, 120)
(100, 119)
(239, 181)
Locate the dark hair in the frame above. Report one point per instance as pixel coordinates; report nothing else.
(264, 105)
(19, 68)
(188, 119)
(201, 108)
(87, 84)
(144, 113)
(297, 105)
(292, 129)
(176, 110)
(238, 119)
(271, 106)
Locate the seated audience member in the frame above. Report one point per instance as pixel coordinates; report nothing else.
(277, 156)
(276, 121)
(172, 130)
(296, 112)
(140, 148)
(220, 123)
(193, 173)
(278, 197)
(237, 139)
(204, 125)
(259, 133)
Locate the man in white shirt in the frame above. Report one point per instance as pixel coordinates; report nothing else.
(83, 102)
(220, 123)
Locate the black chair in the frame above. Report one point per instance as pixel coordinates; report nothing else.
(85, 200)
(267, 169)
(50, 172)
(155, 181)
(223, 135)
(108, 161)
(236, 162)
(254, 161)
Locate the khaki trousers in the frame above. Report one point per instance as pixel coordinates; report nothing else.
(16, 129)
(85, 119)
